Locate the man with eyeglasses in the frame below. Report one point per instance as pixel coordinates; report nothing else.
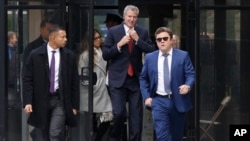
(165, 82)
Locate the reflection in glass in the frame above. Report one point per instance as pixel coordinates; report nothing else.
(220, 68)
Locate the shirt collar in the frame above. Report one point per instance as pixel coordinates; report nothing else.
(126, 29)
(49, 48)
(170, 52)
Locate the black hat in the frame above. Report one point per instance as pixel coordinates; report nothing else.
(113, 17)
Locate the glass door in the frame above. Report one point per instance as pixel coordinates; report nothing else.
(26, 26)
(80, 31)
(29, 21)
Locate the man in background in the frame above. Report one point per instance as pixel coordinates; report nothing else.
(176, 41)
(14, 99)
(112, 20)
(43, 38)
(12, 55)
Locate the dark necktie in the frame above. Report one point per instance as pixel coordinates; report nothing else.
(52, 72)
(130, 68)
(166, 74)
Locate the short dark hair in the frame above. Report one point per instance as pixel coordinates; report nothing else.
(55, 28)
(164, 29)
(45, 21)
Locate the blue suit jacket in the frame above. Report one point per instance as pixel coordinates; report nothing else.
(118, 61)
(182, 72)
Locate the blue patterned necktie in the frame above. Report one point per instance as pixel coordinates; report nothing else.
(52, 72)
(166, 74)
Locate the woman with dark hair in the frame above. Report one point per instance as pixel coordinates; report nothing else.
(101, 101)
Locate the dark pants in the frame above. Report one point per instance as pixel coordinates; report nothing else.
(119, 96)
(101, 130)
(55, 131)
(36, 134)
(14, 115)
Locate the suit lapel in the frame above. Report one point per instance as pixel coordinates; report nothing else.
(123, 33)
(173, 63)
(62, 63)
(62, 71)
(155, 61)
(44, 54)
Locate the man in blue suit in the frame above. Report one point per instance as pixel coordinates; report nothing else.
(123, 49)
(169, 97)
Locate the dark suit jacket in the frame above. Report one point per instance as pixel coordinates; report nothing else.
(119, 61)
(182, 72)
(36, 85)
(13, 66)
(33, 45)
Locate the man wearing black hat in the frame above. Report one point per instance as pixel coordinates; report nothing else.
(112, 20)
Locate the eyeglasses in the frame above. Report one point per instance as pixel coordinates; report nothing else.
(160, 39)
(98, 37)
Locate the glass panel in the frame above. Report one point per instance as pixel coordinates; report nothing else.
(106, 2)
(175, 25)
(220, 3)
(32, 2)
(233, 2)
(82, 131)
(206, 2)
(84, 66)
(220, 45)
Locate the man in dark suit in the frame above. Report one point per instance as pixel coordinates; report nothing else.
(123, 48)
(51, 97)
(14, 99)
(165, 81)
(43, 38)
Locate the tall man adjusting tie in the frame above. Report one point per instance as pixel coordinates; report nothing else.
(123, 49)
(51, 87)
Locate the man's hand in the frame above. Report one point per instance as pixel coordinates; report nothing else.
(148, 102)
(28, 108)
(134, 35)
(123, 41)
(74, 112)
(184, 89)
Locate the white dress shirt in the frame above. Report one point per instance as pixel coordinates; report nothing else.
(57, 64)
(160, 88)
